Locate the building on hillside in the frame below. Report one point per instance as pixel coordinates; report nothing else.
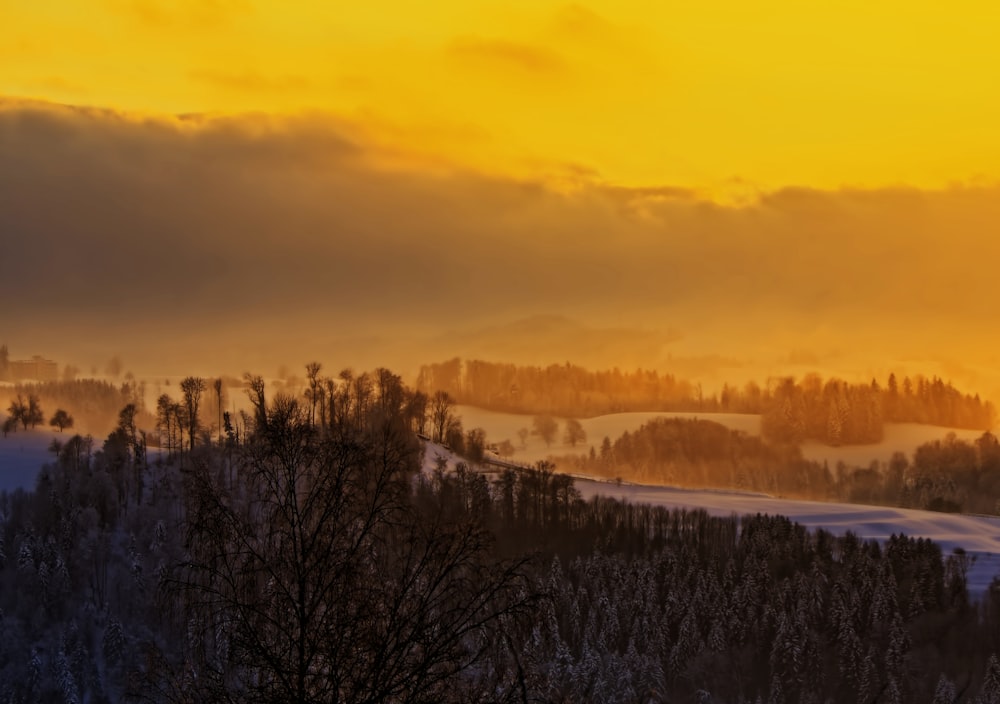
(37, 368)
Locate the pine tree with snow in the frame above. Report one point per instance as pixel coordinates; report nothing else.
(944, 693)
(687, 644)
(717, 637)
(25, 557)
(895, 659)
(34, 670)
(113, 643)
(135, 566)
(777, 693)
(64, 678)
(989, 693)
(868, 677)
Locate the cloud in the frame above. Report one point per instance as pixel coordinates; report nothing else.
(292, 232)
(520, 56)
(251, 81)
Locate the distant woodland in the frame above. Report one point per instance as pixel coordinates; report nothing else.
(94, 403)
(831, 411)
(949, 475)
(301, 554)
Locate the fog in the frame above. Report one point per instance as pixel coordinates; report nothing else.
(205, 244)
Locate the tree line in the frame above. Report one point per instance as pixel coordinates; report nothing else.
(949, 475)
(832, 411)
(306, 554)
(91, 402)
(838, 413)
(27, 412)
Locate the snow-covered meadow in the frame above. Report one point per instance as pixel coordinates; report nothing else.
(899, 437)
(23, 453)
(979, 536)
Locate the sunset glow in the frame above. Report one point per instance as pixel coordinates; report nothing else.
(726, 97)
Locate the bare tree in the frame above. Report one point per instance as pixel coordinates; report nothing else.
(18, 411)
(255, 392)
(574, 433)
(192, 387)
(545, 427)
(319, 581)
(34, 414)
(505, 449)
(217, 385)
(416, 411)
(61, 420)
(441, 415)
(315, 389)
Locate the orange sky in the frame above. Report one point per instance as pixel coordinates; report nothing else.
(726, 97)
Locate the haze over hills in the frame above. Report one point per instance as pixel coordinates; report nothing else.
(291, 238)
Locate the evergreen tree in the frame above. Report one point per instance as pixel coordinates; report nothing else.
(944, 693)
(989, 692)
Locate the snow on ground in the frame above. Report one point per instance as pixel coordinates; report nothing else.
(23, 453)
(504, 426)
(899, 437)
(432, 451)
(977, 535)
(902, 437)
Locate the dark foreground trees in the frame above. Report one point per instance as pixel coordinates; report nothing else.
(316, 578)
(307, 560)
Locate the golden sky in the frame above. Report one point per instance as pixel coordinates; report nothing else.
(725, 97)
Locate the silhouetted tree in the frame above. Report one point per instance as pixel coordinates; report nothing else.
(254, 385)
(315, 389)
(475, 444)
(574, 432)
(441, 414)
(35, 414)
(61, 420)
(545, 427)
(18, 411)
(192, 387)
(217, 385)
(321, 582)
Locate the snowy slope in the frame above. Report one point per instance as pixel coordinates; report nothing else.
(977, 535)
(23, 453)
(901, 437)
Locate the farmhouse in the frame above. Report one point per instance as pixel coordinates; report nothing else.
(37, 368)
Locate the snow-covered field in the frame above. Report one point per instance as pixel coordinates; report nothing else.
(902, 437)
(899, 437)
(504, 426)
(977, 535)
(23, 453)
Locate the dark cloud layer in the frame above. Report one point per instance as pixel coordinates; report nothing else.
(294, 229)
